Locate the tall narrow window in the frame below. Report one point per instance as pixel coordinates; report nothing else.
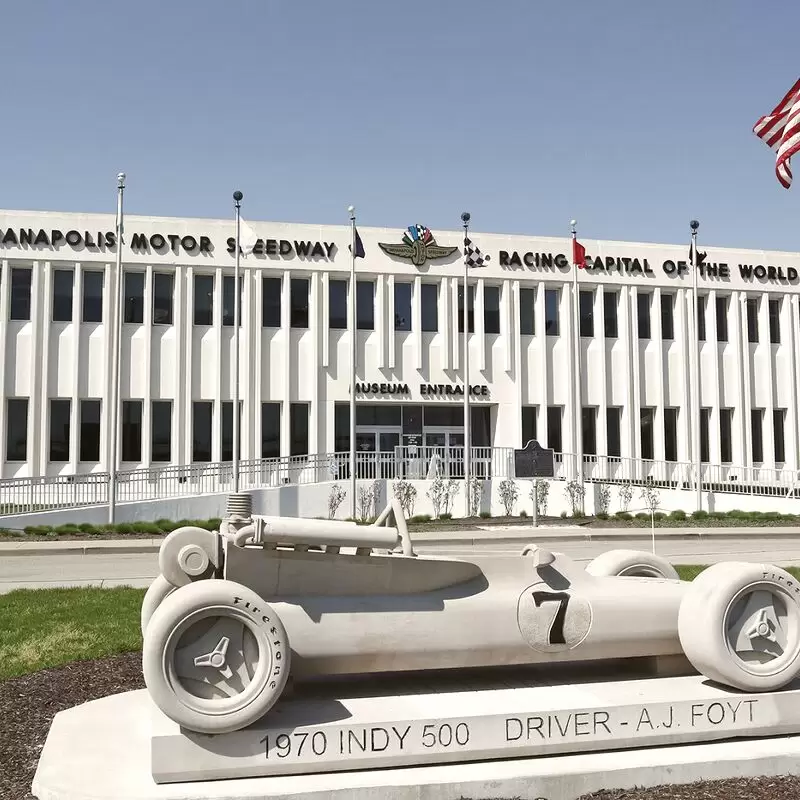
(778, 420)
(491, 309)
(299, 303)
(554, 427)
(21, 293)
(589, 430)
(92, 296)
(134, 297)
(756, 431)
(226, 448)
(752, 320)
(59, 429)
(229, 300)
(402, 306)
(726, 435)
(203, 299)
(528, 424)
(201, 430)
(270, 302)
(701, 317)
(551, 298)
(646, 423)
(163, 293)
(63, 280)
(614, 430)
(671, 434)
(341, 428)
(337, 304)
(90, 430)
(722, 318)
(17, 429)
(775, 321)
(430, 307)
(667, 320)
(705, 426)
(586, 303)
(132, 430)
(610, 305)
(470, 309)
(527, 304)
(271, 430)
(298, 429)
(365, 305)
(161, 430)
(643, 309)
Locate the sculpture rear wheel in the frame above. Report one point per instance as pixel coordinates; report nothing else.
(632, 563)
(158, 590)
(215, 657)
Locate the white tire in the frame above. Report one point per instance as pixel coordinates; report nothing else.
(632, 563)
(215, 656)
(153, 597)
(739, 625)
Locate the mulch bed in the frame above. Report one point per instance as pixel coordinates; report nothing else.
(28, 704)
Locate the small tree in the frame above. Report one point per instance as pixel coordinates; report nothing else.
(335, 499)
(406, 493)
(475, 492)
(509, 492)
(625, 496)
(651, 498)
(441, 494)
(603, 503)
(538, 494)
(367, 495)
(575, 493)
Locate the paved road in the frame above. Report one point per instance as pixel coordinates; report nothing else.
(138, 569)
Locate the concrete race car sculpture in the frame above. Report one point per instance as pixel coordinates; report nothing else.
(235, 613)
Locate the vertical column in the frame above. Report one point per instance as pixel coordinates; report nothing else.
(416, 322)
(544, 398)
(185, 397)
(222, 347)
(381, 322)
(324, 322)
(793, 438)
(179, 385)
(110, 287)
(77, 292)
(285, 394)
(480, 333)
(570, 294)
(630, 327)
(717, 378)
(249, 330)
(452, 322)
(147, 386)
(316, 408)
(742, 411)
(390, 332)
(685, 333)
(766, 346)
(41, 291)
(600, 338)
(6, 388)
(661, 359)
(509, 333)
(257, 363)
(514, 352)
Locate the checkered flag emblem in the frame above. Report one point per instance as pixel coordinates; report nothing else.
(473, 254)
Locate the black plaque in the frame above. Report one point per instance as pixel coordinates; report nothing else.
(533, 461)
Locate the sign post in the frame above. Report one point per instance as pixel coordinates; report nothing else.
(534, 461)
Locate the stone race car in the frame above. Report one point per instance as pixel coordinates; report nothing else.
(234, 613)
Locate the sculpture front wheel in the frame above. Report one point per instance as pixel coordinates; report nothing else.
(215, 656)
(632, 563)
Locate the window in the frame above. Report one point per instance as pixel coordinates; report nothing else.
(430, 307)
(646, 418)
(722, 319)
(341, 428)
(201, 431)
(667, 320)
(385, 416)
(299, 303)
(90, 430)
(491, 309)
(586, 305)
(134, 297)
(229, 300)
(161, 430)
(298, 429)
(613, 431)
(756, 431)
(551, 298)
(132, 430)
(528, 424)
(59, 430)
(203, 299)
(163, 288)
(337, 304)
(93, 296)
(775, 322)
(726, 435)
(589, 430)
(705, 426)
(778, 419)
(610, 305)
(63, 280)
(402, 306)
(554, 427)
(701, 318)
(643, 308)
(270, 302)
(365, 305)
(527, 304)
(470, 309)
(227, 431)
(17, 429)
(20, 293)
(670, 434)
(270, 430)
(752, 320)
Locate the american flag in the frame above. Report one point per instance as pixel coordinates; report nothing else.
(473, 254)
(780, 129)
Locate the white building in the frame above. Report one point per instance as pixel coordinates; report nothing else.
(177, 345)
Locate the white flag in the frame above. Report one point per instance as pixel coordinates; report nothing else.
(247, 237)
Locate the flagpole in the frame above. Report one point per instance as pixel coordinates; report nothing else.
(237, 201)
(353, 361)
(576, 377)
(694, 225)
(465, 217)
(116, 341)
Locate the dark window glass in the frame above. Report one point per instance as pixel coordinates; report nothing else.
(610, 304)
(226, 448)
(491, 309)
(59, 430)
(480, 420)
(229, 300)
(337, 301)
(271, 302)
(201, 431)
(667, 321)
(756, 428)
(161, 430)
(385, 415)
(298, 317)
(722, 319)
(412, 420)
(554, 426)
(671, 434)
(270, 430)
(90, 430)
(470, 309)
(298, 429)
(643, 308)
(705, 423)
(402, 306)
(778, 417)
(775, 322)
(646, 417)
(589, 430)
(163, 291)
(341, 428)
(365, 305)
(527, 316)
(21, 293)
(551, 297)
(63, 280)
(203, 299)
(613, 426)
(528, 424)
(701, 318)
(17, 429)
(93, 296)
(586, 308)
(444, 416)
(134, 297)
(726, 435)
(430, 307)
(752, 319)
(132, 430)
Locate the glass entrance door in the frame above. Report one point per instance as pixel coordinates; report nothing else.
(444, 451)
(375, 453)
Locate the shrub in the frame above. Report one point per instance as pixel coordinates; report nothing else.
(603, 502)
(623, 515)
(523, 513)
(659, 515)
(37, 530)
(420, 518)
(625, 496)
(651, 498)
(575, 493)
(441, 495)
(699, 514)
(509, 492)
(678, 514)
(68, 528)
(123, 527)
(367, 497)
(601, 515)
(563, 515)
(146, 527)
(538, 494)
(335, 499)
(446, 515)
(737, 514)
(166, 525)
(475, 493)
(642, 515)
(406, 494)
(485, 515)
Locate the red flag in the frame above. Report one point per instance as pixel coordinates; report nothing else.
(578, 254)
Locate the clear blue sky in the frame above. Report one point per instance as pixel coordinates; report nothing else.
(631, 116)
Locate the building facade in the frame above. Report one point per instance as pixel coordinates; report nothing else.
(177, 345)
